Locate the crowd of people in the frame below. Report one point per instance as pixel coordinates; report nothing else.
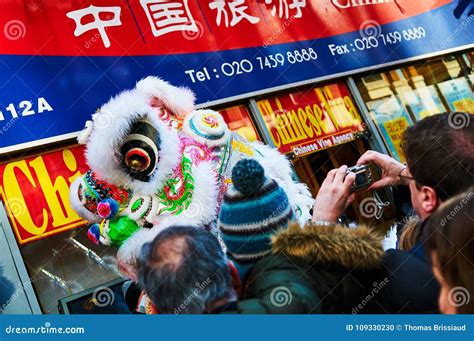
(262, 261)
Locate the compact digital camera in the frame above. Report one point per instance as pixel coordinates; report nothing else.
(363, 177)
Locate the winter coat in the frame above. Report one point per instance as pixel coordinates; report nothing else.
(309, 271)
(351, 273)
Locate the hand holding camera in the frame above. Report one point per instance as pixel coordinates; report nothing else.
(363, 178)
(337, 191)
(334, 195)
(391, 169)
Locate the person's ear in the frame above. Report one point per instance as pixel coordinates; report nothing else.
(430, 200)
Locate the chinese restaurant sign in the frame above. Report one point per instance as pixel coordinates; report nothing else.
(35, 192)
(61, 60)
(306, 121)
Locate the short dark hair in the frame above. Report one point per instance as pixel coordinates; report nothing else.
(438, 150)
(449, 233)
(184, 270)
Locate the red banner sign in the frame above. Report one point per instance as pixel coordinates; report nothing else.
(306, 121)
(35, 192)
(154, 27)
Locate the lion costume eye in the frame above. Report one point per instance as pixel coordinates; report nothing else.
(140, 151)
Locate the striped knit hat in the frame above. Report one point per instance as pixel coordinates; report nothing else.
(253, 209)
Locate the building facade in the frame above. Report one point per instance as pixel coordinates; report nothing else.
(321, 81)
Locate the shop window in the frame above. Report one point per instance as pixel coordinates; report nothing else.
(319, 129)
(399, 97)
(470, 66)
(238, 119)
(52, 239)
(67, 264)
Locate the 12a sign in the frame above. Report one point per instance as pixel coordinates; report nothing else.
(35, 192)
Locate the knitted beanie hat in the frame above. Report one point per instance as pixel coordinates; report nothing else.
(253, 209)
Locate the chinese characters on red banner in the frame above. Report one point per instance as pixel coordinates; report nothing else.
(168, 16)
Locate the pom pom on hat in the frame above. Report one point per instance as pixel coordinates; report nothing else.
(253, 209)
(247, 176)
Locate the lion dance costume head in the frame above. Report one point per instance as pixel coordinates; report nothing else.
(155, 161)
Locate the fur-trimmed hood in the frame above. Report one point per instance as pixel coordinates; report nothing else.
(338, 245)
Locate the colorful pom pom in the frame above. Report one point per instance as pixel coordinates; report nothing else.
(107, 208)
(94, 234)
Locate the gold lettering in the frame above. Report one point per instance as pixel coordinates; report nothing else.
(286, 124)
(17, 201)
(297, 127)
(280, 123)
(303, 117)
(57, 193)
(325, 123)
(356, 119)
(341, 114)
(324, 95)
(314, 121)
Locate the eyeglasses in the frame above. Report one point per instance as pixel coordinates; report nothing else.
(405, 178)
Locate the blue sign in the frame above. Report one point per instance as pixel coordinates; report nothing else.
(46, 98)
